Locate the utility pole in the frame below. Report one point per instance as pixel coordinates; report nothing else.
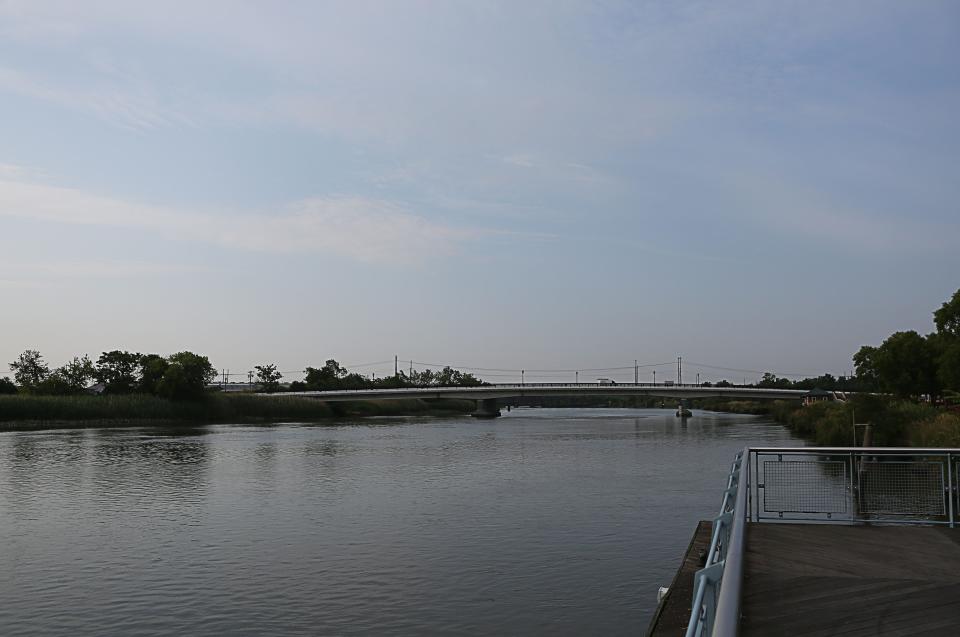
(396, 366)
(636, 373)
(250, 379)
(577, 377)
(698, 379)
(521, 376)
(411, 368)
(679, 370)
(654, 377)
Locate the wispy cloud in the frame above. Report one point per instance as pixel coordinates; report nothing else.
(797, 210)
(354, 227)
(29, 270)
(126, 106)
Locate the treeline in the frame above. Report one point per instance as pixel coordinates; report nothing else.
(180, 376)
(185, 376)
(334, 376)
(906, 365)
(827, 382)
(912, 366)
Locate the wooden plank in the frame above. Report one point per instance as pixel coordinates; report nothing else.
(805, 579)
(673, 612)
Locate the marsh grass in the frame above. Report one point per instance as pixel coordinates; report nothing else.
(35, 412)
(830, 424)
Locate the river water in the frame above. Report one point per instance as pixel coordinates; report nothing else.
(544, 521)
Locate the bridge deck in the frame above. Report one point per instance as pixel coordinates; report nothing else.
(803, 579)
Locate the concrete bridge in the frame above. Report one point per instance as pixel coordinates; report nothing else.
(488, 397)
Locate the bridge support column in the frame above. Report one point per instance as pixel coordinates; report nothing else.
(487, 408)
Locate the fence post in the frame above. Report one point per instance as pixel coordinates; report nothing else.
(950, 497)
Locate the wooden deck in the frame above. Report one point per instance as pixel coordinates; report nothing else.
(673, 613)
(803, 579)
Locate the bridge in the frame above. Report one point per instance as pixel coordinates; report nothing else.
(489, 397)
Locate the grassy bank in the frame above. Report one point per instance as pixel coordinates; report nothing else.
(36, 412)
(830, 424)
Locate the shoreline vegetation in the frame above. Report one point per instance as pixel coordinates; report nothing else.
(909, 392)
(894, 423)
(24, 412)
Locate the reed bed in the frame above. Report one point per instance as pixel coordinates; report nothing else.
(32, 412)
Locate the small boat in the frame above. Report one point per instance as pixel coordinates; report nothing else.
(683, 412)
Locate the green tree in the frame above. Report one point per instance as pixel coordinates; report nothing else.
(7, 386)
(118, 370)
(327, 377)
(186, 376)
(268, 378)
(906, 365)
(947, 318)
(152, 369)
(29, 370)
(76, 374)
(53, 385)
(865, 363)
(948, 365)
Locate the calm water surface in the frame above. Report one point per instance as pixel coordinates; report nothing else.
(548, 521)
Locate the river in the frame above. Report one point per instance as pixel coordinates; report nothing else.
(544, 521)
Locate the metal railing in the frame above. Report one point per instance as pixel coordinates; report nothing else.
(728, 529)
(848, 485)
(816, 485)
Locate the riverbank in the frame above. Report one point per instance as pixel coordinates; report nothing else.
(21, 412)
(830, 424)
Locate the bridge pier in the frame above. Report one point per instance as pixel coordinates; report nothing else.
(487, 408)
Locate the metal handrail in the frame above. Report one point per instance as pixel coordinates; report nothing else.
(718, 585)
(727, 621)
(710, 604)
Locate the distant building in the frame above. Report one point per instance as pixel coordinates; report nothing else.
(817, 396)
(95, 389)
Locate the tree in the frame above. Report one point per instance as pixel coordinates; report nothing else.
(906, 365)
(53, 385)
(268, 378)
(186, 376)
(152, 369)
(76, 374)
(7, 386)
(326, 377)
(770, 381)
(948, 366)
(29, 370)
(947, 318)
(865, 363)
(117, 370)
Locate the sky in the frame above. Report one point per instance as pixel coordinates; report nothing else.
(759, 186)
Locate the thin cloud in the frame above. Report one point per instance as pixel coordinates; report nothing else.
(135, 108)
(27, 271)
(359, 228)
(801, 211)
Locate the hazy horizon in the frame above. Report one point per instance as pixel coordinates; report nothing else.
(758, 186)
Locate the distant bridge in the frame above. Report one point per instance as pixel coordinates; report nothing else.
(487, 396)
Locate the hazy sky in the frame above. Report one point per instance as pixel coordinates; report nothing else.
(756, 185)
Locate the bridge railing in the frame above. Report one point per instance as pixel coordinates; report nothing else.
(816, 485)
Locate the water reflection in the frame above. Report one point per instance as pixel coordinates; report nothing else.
(545, 521)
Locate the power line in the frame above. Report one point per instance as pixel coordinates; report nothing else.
(536, 371)
(749, 371)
